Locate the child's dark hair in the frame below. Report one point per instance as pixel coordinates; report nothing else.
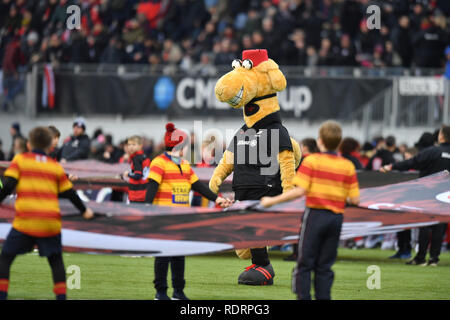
(390, 141)
(311, 144)
(40, 138)
(348, 145)
(55, 131)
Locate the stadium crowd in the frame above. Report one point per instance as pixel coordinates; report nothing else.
(196, 34)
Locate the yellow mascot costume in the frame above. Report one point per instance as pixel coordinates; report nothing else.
(262, 155)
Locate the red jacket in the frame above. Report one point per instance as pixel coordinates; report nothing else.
(140, 167)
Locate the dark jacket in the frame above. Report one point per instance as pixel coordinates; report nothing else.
(430, 160)
(403, 45)
(356, 162)
(55, 154)
(429, 46)
(77, 148)
(140, 167)
(381, 158)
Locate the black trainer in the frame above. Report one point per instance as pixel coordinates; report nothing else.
(415, 262)
(256, 275)
(161, 296)
(433, 262)
(179, 295)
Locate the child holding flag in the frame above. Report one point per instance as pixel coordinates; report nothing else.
(171, 179)
(39, 182)
(328, 182)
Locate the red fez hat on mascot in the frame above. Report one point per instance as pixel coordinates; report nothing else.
(256, 56)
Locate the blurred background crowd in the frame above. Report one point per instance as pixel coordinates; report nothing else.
(366, 155)
(197, 35)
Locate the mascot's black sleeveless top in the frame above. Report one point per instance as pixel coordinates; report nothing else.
(256, 167)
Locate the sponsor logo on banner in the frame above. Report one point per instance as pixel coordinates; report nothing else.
(296, 99)
(421, 86)
(392, 206)
(163, 93)
(199, 92)
(444, 197)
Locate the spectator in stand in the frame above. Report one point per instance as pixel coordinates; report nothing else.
(325, 53)
(78, 145)
(351, 15)
(12, 60)
(429, 161)
(403, 41)
(114, 52)
(79, 49)
(30, 47)
(346, 55)
(57, 51)
(225, 56)
(429, 44)
(253, 22)
(205, 67)
(223, 28)
(93, 50)
(416, 17)
(365, 41)
(15, 133)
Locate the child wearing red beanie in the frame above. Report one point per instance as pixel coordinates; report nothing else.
(171, 179)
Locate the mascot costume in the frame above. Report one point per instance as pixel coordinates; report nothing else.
(261, 154)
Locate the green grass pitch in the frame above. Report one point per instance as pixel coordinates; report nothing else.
(214, 277)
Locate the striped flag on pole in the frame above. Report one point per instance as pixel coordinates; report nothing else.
(48, 88)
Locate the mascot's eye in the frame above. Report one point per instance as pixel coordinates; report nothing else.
(236, 63)
(247, 64)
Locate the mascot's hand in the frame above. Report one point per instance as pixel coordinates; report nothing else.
(222, 171)
(214, 184)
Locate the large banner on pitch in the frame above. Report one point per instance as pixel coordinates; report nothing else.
(187, 96)
(168, 231)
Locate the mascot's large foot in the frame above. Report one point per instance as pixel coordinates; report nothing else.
(256, 275)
